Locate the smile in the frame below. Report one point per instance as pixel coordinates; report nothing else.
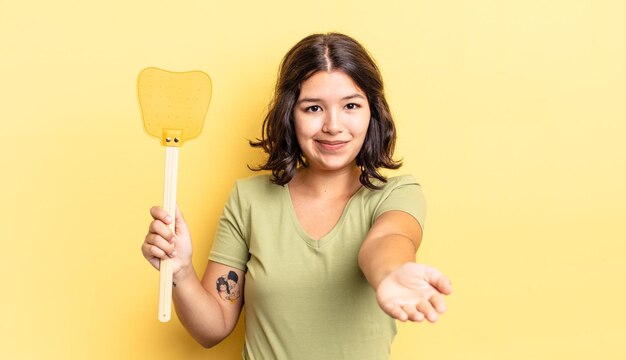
(331, 145)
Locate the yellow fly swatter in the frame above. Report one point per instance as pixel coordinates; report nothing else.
(173, 108)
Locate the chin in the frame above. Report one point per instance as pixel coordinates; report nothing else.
(333, 165)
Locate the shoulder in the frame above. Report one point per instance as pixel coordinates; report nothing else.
(257, 182)
(257, 187)
(402, 193)
(401, 180)
(252, 192)
(253, 181)
(394, 183)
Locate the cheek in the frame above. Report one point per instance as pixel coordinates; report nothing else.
(304, 129)
(360, 126)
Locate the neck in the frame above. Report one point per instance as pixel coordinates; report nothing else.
(336, 183)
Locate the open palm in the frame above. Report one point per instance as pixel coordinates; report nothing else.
(413, 292)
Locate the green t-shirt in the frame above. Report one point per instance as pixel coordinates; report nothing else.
(307, 298)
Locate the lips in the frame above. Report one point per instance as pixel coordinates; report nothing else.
(331, 144)
(335, 142)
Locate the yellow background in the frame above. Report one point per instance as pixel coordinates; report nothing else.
(510, 113)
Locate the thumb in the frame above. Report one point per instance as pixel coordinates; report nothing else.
(439, 281)
(180, 225)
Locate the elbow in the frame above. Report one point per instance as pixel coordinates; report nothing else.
(207, 344)
(210, 340)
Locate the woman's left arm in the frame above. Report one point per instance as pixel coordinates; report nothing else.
(404, 289)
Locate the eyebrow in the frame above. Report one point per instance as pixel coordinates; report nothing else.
(353, 96)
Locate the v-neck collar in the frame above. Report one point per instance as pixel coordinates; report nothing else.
(328, 237)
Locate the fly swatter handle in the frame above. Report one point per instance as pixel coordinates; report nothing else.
(169, 205)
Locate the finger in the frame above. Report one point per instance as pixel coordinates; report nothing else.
(145, 250)
(412, 313)
(157, 227)
(396, 312)
(157, 252)
(158, 213)
(439, 281)
(167, 248)
(438, 302)
(156, 263)
(427, 309)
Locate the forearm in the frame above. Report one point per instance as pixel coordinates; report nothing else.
(380, 256)
(198, 310)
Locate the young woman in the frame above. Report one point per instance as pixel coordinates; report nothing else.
(322, 249)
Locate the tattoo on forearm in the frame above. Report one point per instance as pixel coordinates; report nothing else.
(228, 287)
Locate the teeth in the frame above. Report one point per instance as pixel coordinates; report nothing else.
(173, 101)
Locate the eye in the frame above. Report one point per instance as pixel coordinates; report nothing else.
(352, 106)
(314, 108)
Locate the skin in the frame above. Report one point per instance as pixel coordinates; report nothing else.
(208, 318)
(331, 119)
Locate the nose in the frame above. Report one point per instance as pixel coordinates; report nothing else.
(332, 123)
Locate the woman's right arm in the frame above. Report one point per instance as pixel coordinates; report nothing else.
(207, 317)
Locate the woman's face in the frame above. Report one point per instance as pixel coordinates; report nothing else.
(332, 115)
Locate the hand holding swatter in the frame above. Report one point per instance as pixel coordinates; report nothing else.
(173, 109)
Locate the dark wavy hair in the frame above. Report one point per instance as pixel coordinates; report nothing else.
(326, 52)
(221, 282)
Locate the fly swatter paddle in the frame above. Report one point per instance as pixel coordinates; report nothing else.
(173, 109)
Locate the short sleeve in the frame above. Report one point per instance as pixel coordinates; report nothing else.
(230, 246)
(404, 194)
